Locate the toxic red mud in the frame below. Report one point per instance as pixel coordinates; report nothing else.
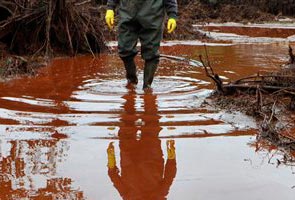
(273, 32)
(76, 132)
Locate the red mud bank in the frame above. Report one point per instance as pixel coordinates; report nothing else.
(223, 12)
(252, 31)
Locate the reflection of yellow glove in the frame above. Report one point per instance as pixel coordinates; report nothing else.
(170, 149)
(110, 16)
(111, 156)
(171, 26)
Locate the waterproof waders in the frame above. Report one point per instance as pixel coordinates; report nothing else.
(141, 20)
(150, 68)
(130, 68)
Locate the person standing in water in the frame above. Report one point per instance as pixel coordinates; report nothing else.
(141, 20)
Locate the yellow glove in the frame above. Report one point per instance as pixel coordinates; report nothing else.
(171, 26)
(110, 17)
(170, 149)
(111, 156)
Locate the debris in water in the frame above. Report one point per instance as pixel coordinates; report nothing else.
(267, 97)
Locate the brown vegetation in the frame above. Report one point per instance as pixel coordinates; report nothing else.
(47, 27)
(202, 11)
(71, 26)
(276, 7)
(268, 97)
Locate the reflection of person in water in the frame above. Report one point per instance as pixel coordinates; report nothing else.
(143, 174)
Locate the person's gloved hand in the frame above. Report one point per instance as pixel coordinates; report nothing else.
(110, 17)
(170, 149)
(111, 156)
(171, 25)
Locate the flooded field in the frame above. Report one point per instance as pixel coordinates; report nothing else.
(76, 132)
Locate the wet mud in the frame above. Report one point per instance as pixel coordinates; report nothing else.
(254, 30)
(248, 33)
(75, 131)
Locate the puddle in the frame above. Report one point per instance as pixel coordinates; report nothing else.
(56, 129)
(249, 33)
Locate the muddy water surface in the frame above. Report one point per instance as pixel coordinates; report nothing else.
(253, 30)
(249, 33)
(76, 132)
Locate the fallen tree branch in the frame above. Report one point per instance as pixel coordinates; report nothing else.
(82, 3)
(273, 93)
(292, 57)
(188, 61)
(254, 87)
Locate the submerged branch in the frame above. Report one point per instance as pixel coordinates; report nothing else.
(270, 96)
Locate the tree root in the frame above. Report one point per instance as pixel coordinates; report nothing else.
(48, 26)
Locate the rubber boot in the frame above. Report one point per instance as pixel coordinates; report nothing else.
(150, 68)
(130, 68)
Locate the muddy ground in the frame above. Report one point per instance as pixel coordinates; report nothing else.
(196, 12)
